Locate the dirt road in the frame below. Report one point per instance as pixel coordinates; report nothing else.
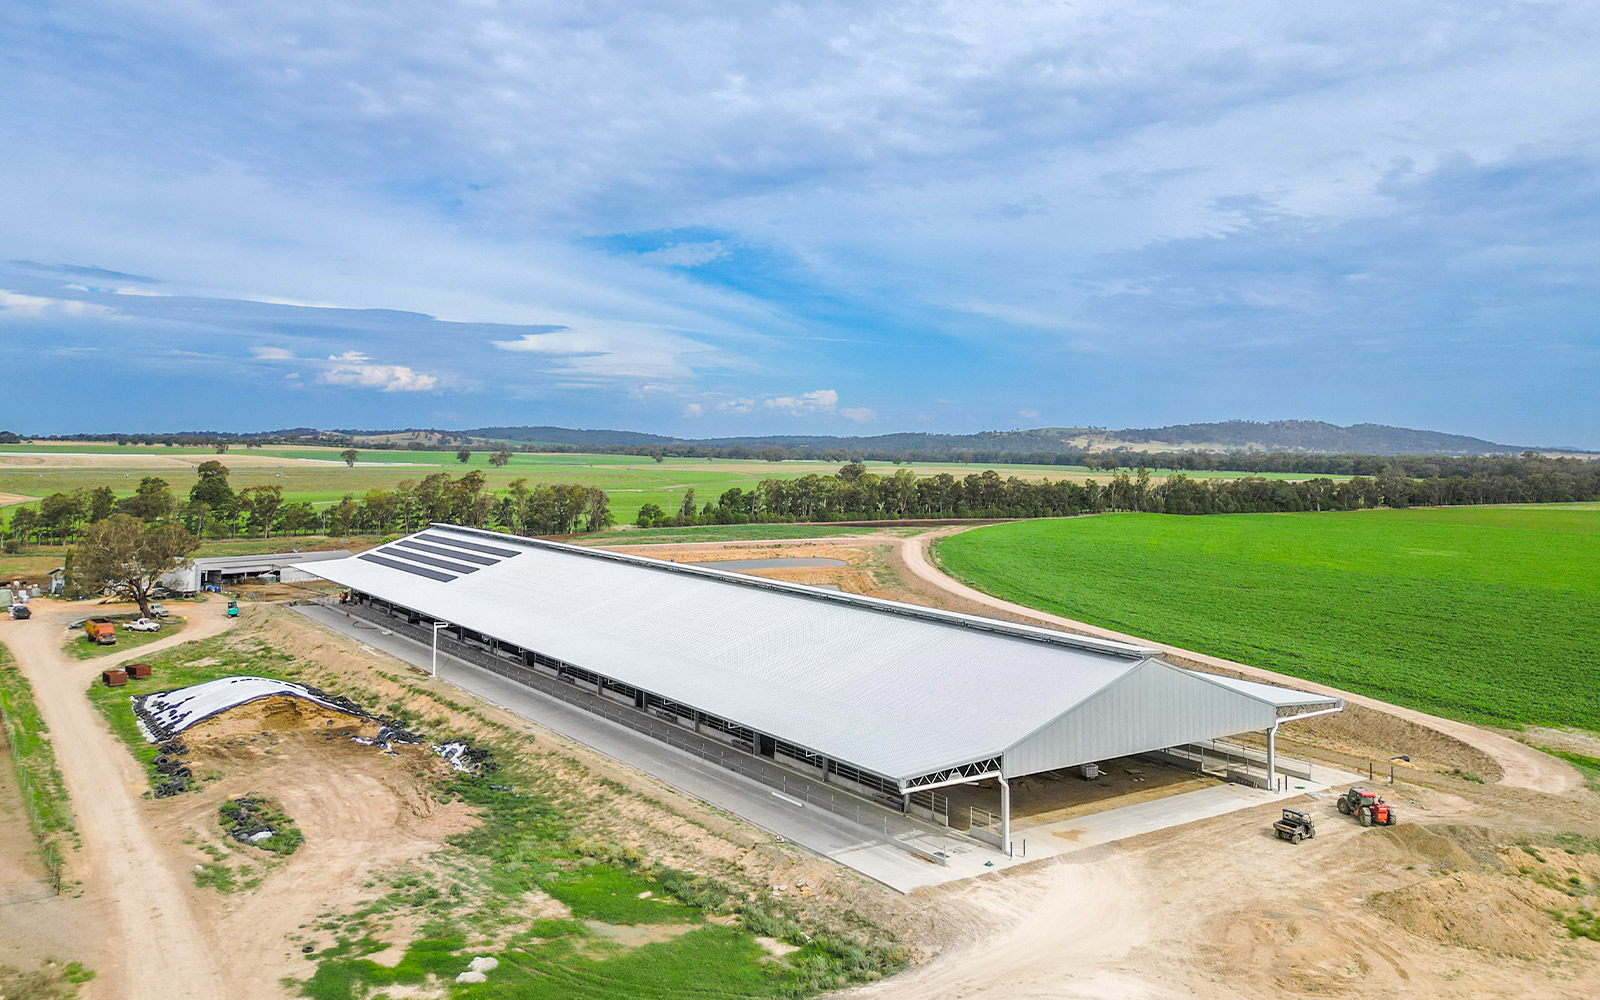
(1066, 930)
(156, 948)
(1523, 766)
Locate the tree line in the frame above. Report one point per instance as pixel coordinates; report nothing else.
(212, 508)
(854, 494)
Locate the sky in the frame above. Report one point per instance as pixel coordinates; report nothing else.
(708, 219)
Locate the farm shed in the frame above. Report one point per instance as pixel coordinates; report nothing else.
(881, 698)
(224, 570)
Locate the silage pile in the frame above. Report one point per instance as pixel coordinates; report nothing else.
(220, 706)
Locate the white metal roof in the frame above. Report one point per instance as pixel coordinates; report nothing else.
(1271, 694)
(263, 561)
(893, 688)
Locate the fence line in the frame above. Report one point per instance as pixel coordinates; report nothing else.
(48, 852)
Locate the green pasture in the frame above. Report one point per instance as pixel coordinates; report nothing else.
(315, 475)
(1487, 614)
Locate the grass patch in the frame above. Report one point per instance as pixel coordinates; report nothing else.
(216, 875)
(52, 980)
(80, 647)
(1480, 614)
(245, 819)
(43, 793)
(527, 842)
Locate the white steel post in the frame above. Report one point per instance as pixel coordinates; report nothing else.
(1272, 758)
(1005, 814)
(434, 670)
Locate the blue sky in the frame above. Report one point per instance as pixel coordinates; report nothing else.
(701, 219)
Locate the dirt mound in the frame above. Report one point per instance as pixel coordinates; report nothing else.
(1437, 846)
(1491, 913)
(279, 712)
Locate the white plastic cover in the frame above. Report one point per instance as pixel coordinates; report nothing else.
(177, 710)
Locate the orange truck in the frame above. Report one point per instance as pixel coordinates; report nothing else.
(100, 631)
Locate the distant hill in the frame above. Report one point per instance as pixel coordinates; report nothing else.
(1310, 436)
(566, 435)
(1301, 435)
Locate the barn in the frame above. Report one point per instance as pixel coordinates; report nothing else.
(226, 571)
(880, 698)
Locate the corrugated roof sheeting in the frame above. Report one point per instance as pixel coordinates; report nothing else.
(901, 694)
(1156, 706)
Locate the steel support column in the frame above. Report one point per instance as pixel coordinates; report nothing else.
(1005, 814)
(1272, 757)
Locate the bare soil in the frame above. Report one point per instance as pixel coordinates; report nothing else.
(154, 460)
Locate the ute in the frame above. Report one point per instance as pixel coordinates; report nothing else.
(1367, 807)
(1295, 826)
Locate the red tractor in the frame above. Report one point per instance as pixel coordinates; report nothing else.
(1367, 807)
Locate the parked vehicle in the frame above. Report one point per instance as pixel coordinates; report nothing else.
(143, 625)
(1367, 807)
(158, 611)
(21, 612)
(100, 631)
(233, 608)
(1295, 826)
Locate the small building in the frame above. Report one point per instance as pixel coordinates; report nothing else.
(222, 571)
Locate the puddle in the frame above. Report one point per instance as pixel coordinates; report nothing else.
(634, 935)
(786, 563)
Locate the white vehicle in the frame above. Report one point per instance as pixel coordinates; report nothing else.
(142, 625)
(158, 611)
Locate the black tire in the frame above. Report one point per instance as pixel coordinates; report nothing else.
(1294, 839)
(1392, 820)
(1365, 817)
(1344, 807)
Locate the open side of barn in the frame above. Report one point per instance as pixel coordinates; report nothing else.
(884, 701)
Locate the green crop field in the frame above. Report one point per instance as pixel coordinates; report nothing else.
(1484, 614)
(318, 476)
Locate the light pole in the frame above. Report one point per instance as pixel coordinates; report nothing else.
(436, 627)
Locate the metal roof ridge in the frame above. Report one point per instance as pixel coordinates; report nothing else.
(1219, 681)
(1033, 633)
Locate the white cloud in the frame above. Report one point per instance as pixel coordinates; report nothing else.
(815, 401)
(736, 405)
(623, 351)
(39, 307)
(353, 368)
(860, 414)
(685, 254)
(693, 409)
(1028, 414)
